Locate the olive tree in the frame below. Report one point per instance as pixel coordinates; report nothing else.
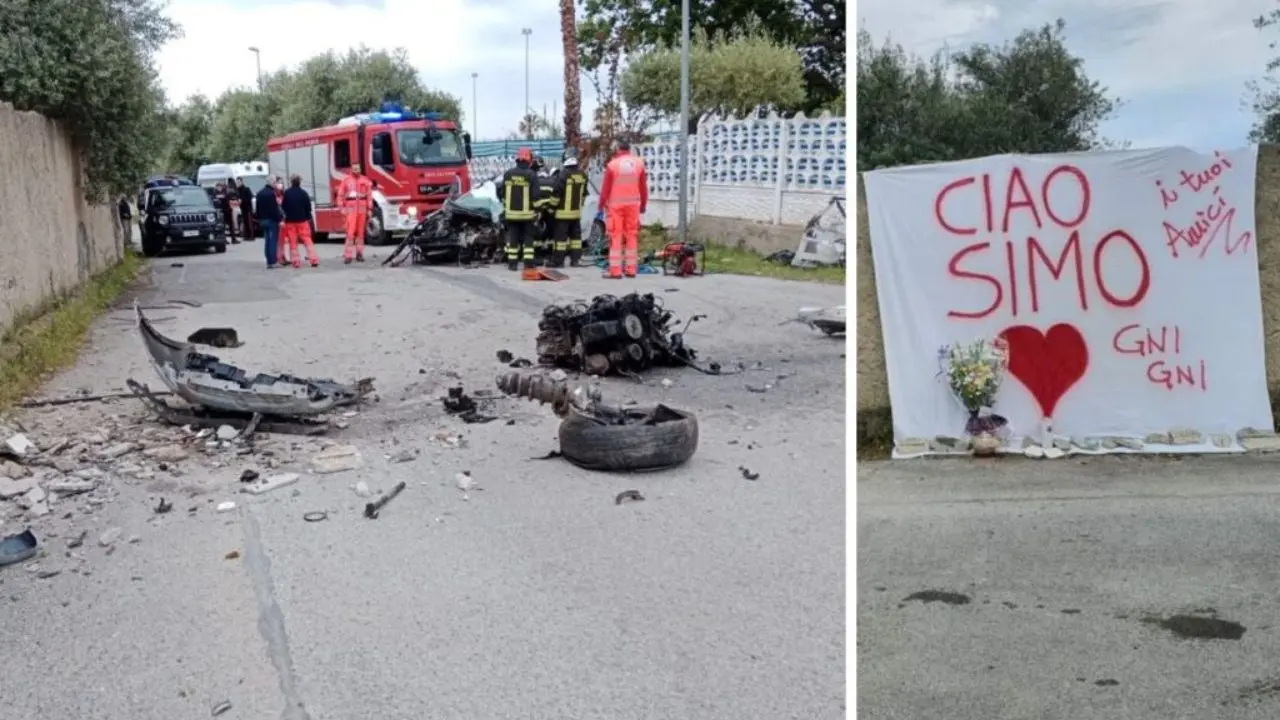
(90, 65)
(728, 74)
(322, 90)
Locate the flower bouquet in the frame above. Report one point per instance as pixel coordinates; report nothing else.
(974, 373)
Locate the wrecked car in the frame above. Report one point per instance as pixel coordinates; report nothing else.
(614, 335)
(466, 228)
(828, 320)
(205, 381)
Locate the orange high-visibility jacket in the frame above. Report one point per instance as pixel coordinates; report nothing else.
(625, 182)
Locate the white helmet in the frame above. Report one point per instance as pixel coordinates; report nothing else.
(571, 161)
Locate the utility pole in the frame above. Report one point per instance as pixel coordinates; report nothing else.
(257, 54)
(475, 113)
(683, 223)
(526, 32)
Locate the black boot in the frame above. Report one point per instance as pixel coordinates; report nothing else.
(513, 265)
(575, 258)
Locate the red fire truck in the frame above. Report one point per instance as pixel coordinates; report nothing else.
(414, 160)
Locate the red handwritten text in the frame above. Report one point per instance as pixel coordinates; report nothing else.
(1148, 343)
(1200, 180)
(1017, 196)
(1204, 229)
(1072, 254)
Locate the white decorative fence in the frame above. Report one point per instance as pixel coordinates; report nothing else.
(774, 170)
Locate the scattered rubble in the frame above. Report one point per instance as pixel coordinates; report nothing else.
(109, 538)
(612, 335)
(215, 337)
(336, 459)
(464, 482)
(269, 483)
(633, 495)
(18, 548)
(17, 445)
(459, 403)
(829, 321)
(372, 509)
(225, 507)
(747, 474)
(404, 456)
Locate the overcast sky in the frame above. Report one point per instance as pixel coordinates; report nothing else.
(1179, 65)
(446, 39)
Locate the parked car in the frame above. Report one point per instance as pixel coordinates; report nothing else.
(180, 216)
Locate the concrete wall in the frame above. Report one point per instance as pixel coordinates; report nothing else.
(760, 235)
(51, 240)
(873, 386)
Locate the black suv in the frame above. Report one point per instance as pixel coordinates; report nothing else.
(181, 216)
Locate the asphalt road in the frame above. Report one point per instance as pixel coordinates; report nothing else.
(535, 597)
(1070, 569)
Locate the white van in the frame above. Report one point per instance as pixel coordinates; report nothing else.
(253, 173)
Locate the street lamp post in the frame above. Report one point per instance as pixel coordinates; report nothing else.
(475, 113)
(683, 222)
(526, 32)
(257, 54)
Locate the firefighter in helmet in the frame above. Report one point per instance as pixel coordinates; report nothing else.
(569, 192)
(519, 191)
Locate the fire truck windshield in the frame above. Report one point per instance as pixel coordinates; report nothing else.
(414, 150)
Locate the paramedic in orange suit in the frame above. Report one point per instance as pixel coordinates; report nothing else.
(356, 192)
(624, 195)
(297, 222)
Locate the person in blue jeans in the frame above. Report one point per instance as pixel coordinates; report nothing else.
(268, 214)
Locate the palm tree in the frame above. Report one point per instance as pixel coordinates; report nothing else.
(572, 82)
(531, 125)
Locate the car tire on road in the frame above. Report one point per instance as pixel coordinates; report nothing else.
(375, 229)
(220, 248)
(593, 446)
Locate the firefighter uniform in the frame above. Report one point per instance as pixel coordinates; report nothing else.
(569, 192)
(519, 189)
(624, 195)
(356, 194)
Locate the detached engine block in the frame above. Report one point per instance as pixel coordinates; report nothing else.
(611, 335)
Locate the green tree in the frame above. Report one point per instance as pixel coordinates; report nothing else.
(190, 127)
(241, 126)
(717, 69)
(89, 64)
(1029, 96)
(815, 27)
(321, 91)
(331, 86)
(1265, 93)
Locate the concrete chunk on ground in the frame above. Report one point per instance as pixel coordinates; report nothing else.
(269, 483)
(339, 458)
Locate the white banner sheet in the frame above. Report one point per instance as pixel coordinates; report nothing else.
(1125, 285)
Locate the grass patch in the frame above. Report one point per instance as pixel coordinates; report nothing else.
(742, 260)
(874, 434)
(40, 344)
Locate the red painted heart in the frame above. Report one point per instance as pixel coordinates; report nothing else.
(1047, 364)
